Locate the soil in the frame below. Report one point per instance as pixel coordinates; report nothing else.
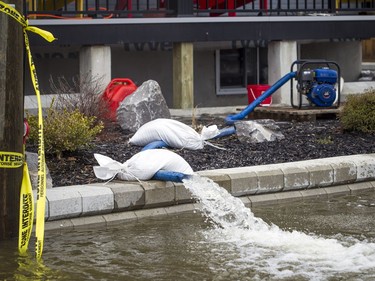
(303, 141)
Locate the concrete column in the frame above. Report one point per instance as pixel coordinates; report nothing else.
(95, 61)
(281, 55)
(183, 75)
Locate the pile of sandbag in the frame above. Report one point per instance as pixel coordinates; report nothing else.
(145, 164)
(174, 133)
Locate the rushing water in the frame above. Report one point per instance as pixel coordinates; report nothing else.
(330, 240)
(273, 252)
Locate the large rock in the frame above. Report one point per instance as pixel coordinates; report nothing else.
(145, 104)
(258, 131)
(32, 164)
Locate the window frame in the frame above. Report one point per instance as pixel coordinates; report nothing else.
(220, 91)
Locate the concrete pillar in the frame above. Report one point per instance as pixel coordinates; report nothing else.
(95, 61)
(281, 55)
(183, 75)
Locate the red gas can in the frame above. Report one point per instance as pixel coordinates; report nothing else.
(117, 90)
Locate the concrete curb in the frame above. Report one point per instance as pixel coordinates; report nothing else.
(119, 201)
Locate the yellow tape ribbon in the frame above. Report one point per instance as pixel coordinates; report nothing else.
(41, 195)
(11, 159)
(26, 217)
(12, 12)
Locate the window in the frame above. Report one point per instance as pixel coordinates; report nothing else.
(237, 68)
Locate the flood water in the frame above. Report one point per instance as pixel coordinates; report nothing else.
(316, 240)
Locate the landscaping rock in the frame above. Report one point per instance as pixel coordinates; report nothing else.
(145, 104)
(258, 131)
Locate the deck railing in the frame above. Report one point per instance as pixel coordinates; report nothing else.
(62, 9)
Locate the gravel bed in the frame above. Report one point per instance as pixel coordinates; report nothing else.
(303, 141)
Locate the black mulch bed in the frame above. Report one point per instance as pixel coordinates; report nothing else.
(303, 141)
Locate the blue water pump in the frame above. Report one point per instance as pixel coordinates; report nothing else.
(319, 86)
(317, 80)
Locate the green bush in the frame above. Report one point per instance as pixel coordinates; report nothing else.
(64, 130)
(358, 113)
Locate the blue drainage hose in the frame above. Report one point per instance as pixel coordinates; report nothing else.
(230, 119)
(163, 175)
(155, 144)
(226, 132)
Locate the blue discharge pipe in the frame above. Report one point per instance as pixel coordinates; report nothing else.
(163, 175)
(155, 144)
(226, 132)
(230, 119)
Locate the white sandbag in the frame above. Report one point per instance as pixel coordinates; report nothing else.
(209, 132)
(142, 166)
(174, 133)
(108, 168)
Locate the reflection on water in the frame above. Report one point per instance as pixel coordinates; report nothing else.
(24, 268)
(317, 240)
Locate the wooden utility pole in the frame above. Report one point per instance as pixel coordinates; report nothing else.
(11, 118)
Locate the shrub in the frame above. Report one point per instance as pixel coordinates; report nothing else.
(64, 130)
(358, 112)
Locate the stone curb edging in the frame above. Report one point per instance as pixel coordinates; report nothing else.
(117, 201)
(113, 219)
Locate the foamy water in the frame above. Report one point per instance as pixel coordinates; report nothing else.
(274, 252)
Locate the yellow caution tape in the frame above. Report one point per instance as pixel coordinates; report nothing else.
(26, 218)
(11, 159)
(12, 12)
(41, 197)
(45, 34)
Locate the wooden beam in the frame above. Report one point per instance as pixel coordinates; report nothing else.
(183, 75)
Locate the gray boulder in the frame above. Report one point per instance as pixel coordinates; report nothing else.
(258, 131)
(145, 104)
(32, 164)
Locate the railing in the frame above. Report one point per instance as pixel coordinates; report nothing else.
(62, 9)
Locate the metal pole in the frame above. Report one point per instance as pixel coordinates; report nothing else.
(11, 119)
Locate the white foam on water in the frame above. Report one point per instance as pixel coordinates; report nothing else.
(269, 250)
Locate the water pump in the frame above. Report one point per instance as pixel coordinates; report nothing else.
(319, 82)
(319, 86)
